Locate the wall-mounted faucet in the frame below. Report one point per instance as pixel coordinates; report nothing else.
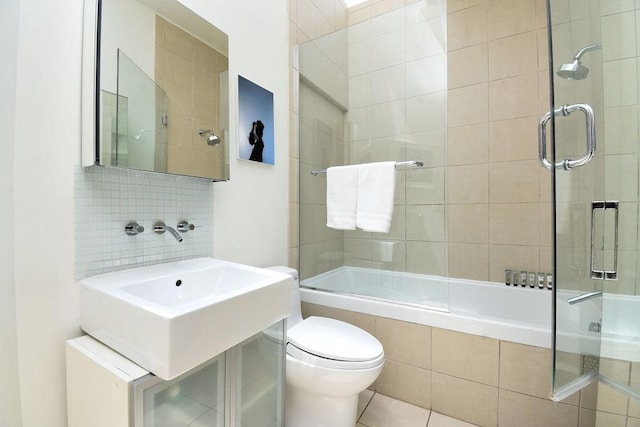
(133, 228)
(160, 227)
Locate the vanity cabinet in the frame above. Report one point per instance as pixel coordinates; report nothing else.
(241, 387)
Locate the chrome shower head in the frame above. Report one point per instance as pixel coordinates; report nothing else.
(211, 138)
(575, 70)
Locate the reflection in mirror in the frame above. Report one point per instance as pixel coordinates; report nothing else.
(163, 78)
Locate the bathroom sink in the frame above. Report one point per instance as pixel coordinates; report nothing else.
(170, 318)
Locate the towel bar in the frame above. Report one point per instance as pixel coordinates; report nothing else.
(411, 164)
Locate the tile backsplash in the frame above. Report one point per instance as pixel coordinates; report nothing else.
(106, 199)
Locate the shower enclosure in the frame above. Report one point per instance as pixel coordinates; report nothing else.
(594, 162)
(525, 115)
(364, 98)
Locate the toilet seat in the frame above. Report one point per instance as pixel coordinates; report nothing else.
(334, 344)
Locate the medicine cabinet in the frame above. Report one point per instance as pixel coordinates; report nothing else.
(155, 92)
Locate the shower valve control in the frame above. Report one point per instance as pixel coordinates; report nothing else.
(133, 228)
(184, 226)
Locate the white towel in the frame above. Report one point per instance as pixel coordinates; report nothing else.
(342, 197)
(376, 186)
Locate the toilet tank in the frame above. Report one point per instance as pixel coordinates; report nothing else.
(296, 310)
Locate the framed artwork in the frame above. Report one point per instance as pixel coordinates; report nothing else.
(255, 122)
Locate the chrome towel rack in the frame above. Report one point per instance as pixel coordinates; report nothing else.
(411, 164)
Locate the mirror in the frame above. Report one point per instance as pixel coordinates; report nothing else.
(158, 99)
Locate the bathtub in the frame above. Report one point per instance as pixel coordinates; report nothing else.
(488, 309)
(494, 310)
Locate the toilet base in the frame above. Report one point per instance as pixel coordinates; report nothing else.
(306, 409)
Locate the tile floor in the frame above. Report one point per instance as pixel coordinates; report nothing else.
(377, 410)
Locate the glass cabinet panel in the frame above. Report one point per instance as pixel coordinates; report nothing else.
(194, 399)
(260, 379)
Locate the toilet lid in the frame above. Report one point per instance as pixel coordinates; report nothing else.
(333, 339)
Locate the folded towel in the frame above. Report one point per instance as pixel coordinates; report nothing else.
(342, 197)
(376, 186)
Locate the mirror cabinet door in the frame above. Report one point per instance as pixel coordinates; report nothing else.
(159, 96)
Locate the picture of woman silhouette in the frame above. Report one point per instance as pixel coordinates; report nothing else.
(255, 139)
(255, 102)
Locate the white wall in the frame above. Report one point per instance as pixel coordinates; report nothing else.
(250, 211)
(9, 384)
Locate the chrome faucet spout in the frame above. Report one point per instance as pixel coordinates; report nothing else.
(174, 233)
(160, 227)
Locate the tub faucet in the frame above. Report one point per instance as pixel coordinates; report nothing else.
(160, 227)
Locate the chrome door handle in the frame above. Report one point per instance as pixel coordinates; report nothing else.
(604, 274)
(566, 110)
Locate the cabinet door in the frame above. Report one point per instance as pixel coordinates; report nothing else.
(259, 378)
(195, 399)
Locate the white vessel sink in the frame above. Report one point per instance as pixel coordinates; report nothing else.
(170, 318)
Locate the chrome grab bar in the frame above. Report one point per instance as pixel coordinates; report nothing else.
(566, 110)
(604, 274)
(583, 297)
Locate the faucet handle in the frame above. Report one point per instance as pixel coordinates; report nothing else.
(184, 226)
(133, 228)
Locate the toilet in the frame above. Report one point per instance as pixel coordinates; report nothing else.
(328, 364)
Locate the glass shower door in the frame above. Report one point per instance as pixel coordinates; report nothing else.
(575, 158)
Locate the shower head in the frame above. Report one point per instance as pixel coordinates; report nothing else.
(211, 138)
(575, 70)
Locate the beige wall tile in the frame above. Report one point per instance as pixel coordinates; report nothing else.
(525, 369)
(546, 228)
(543, 45)
(467, 105)
(621, 126)
(384, 6)
(466, 400)
(622, 82)
(611, 401)
(178, 41)
(426, 258)
(616, 43)
(467, 27)
(405, 342)
(471, 357)
(513, 139)
(513, 97)
(521, 410)
(511, 182)
(509, 17)
(467, 66)
(589, 396)
(511, 257)
(468, 145)
(456, 5)
(294, 237)
(468, 184)
(634, 382)
(425, 186)
(633, 422)
(514, 223)
(468, 223)
(426, 222)
(605, 419)
(469, 261)
(405, 382)
(513, 56)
